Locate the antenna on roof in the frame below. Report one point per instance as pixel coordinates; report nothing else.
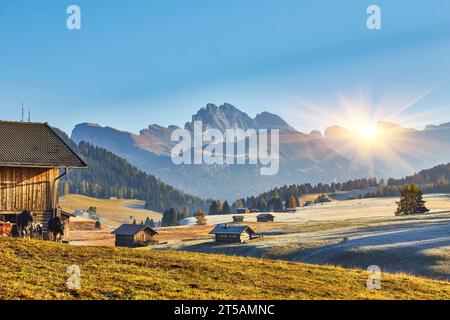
(29, 114)
(22, 112)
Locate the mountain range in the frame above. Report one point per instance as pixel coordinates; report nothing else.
(396, 151)
(304, 158)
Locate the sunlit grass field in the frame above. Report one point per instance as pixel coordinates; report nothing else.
(112, 212)
(38, 270)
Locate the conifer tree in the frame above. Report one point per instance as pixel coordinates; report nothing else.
(411, 201)
(170, 218)
(226, 208)
(277, 205)
(213, 208)
(286, 202)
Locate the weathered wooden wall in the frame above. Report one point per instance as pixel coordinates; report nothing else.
(228, 237)
(26, 189)
(142, 237)
(124, 241)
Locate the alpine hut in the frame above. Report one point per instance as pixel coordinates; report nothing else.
(33, 158)
(265, 217)
(227, 233)
(238, 219)
(134, 235)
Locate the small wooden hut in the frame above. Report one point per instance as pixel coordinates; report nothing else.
(265, 217)
(226, 233)
(33, 158)
(134, 235)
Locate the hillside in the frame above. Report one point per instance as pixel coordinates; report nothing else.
(112, 212)
(37, 270)
(109, 175)
(438, 176)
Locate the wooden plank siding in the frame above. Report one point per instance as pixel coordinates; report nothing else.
(133, 240)
(244, 237)
(27, 189)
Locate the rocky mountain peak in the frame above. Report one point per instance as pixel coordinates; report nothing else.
(228, 116)
(267, 120)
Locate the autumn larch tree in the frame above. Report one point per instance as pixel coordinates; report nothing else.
(186, 213)
(201, 218)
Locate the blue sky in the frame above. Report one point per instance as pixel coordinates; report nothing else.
(139, 62)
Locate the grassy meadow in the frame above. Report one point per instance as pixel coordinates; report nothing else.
(37, 270)
(112, 212)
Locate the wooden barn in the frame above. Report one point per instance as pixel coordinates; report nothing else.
(265, 217)
(134, 235)
(33, 158)
(239, 234)
(238, 219)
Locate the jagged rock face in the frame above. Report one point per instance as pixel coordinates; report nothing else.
(156, 139)
(267, 120)
(158, 131)
(228, 116)
(224, 117)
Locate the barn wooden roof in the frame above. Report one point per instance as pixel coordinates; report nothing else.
(132, 229)
(27, 144)
(226, 229)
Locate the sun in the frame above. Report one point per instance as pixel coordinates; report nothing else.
(367, 131)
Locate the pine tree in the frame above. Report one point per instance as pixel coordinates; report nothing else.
(421, 208)
(170, 218)
(226, 208)
(213, 208)
(277, 205)
(286, 202)
(411, 201)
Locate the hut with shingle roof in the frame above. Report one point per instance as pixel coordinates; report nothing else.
(33, 158)
(134, 235)
(233, 233)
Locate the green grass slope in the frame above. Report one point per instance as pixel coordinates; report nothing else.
(37, 270)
